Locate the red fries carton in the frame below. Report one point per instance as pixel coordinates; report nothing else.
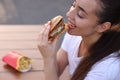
(18, 61)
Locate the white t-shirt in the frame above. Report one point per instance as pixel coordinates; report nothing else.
(106, 69)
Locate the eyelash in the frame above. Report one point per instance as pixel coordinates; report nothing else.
(73, 4)
(80, 16)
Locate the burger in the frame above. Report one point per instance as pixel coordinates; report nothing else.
(57, 27)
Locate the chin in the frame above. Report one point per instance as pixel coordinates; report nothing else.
(71, 33)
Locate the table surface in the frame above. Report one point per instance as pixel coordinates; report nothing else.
(23, 39)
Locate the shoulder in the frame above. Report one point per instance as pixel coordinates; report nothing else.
(70, 40)
(106, 69)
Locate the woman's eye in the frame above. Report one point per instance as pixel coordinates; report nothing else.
(80, 16)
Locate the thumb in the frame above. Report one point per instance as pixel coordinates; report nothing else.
(55, 42)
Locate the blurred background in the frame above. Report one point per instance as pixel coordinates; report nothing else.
(32, 12)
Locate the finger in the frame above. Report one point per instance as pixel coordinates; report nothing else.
(43, 29)
(42, 33)
(49, 22)
(55, 42)
(46, 32)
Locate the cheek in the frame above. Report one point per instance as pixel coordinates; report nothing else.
(85, 26)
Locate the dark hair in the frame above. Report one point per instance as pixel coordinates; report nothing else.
(108, 42)
(110, 11)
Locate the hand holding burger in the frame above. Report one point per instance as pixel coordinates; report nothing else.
(47, 37)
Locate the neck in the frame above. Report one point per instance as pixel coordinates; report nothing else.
(88, 41)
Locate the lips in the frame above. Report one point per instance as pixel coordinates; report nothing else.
(71, 26)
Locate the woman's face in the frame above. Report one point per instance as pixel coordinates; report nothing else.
(82, 17)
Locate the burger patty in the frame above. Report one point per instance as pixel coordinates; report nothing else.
(57, 31)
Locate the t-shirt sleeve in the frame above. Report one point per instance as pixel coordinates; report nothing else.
(106, 70)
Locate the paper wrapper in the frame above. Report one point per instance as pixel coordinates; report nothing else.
(18, 61)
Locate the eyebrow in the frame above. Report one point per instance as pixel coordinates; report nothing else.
(83, 10)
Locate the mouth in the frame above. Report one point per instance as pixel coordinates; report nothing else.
(71, 26)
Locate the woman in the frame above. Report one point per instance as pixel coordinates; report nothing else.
(91, 46)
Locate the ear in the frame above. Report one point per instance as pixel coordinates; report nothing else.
(103, 27)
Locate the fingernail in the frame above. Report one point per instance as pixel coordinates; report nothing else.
(48, 26)
(49, 22)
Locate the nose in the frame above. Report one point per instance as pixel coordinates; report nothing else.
(71, 13)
